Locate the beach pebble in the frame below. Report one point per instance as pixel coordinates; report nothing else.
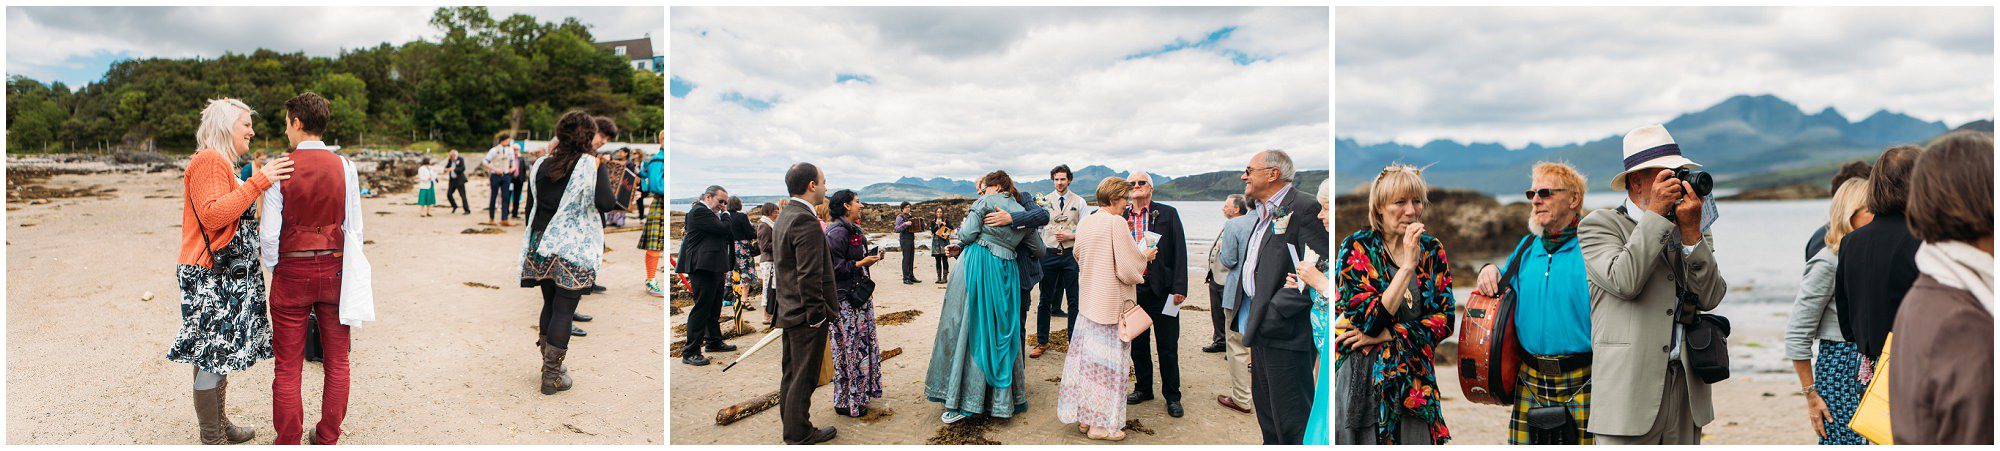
(148, 296)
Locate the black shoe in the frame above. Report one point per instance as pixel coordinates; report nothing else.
(595, 289)
(694, 359)
(577, 331)
(582, 318)
(1215, 347)
(718, 347)
(1136, 398)
(822, 435)
(858, 411)
(749, 308)
(1059, 314)
(1174, 409)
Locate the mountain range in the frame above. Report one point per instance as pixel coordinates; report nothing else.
(1210, 186)
(1735, 140)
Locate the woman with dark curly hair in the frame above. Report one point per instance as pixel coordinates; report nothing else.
(567, 194)
(857, 363)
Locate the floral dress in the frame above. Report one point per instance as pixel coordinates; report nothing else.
(225, 325)
(1405, 381)
(857, 359)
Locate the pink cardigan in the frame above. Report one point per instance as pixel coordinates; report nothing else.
(1110, 266)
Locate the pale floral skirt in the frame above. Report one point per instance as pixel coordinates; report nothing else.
(1094, 377)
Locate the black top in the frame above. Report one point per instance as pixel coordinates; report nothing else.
(1817, 242)
(1878, 262)
(457, 165)
(548, 197)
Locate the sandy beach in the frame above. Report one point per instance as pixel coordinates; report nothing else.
(908, 419)
(451, 359)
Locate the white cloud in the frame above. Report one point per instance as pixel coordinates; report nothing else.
(958, 92)
(1562, 75)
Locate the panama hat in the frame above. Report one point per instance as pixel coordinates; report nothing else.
(1650, 147)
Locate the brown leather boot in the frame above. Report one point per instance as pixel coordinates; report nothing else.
(207, 414)
(230, 432)
(555, 377)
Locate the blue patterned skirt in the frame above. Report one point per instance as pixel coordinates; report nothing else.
(1837, 377)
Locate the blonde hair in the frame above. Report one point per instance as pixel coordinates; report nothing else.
(1851, 198)
(217, 122)
(1398, 181)
(824, 212)
(1112, 188)
(1564, 175)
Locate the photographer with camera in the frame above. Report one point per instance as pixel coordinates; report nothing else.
(1651, 270)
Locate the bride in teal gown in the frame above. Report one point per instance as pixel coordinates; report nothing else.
(976, 361)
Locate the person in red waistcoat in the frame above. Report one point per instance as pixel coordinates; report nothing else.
(304, 242)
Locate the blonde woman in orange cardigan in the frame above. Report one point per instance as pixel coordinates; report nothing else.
(225, 326)
(1110, 267)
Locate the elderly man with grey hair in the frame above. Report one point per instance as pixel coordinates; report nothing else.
(1275, 320)
(1225, 271)
(704, 258)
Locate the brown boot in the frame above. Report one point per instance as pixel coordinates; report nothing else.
(208, 414)
(230, 432)
(555, 377)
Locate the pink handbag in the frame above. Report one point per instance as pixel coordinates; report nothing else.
(1133, 322)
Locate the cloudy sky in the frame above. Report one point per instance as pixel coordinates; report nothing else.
(1563, 75)
(76, 45)
(874, 94)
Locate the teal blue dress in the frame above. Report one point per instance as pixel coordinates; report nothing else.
(976, 359)
(1317, 431)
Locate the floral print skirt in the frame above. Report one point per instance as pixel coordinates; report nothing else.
(857, 359)
(1093, 377)
(225, 322)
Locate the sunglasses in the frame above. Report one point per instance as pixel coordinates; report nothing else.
(1140, 183)
(1544, 192)
(1253, 169)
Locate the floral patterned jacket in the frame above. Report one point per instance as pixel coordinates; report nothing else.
(1405, 380)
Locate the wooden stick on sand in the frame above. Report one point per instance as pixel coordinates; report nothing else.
(745, 409)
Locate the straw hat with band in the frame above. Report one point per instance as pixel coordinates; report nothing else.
(1650, 147)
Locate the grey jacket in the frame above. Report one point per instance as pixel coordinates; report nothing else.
(1229, 250)
(1632, 268)
(1812, 316)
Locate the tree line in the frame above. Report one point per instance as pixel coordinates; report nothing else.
(482, 78)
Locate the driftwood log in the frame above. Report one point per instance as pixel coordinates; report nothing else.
(766, 401)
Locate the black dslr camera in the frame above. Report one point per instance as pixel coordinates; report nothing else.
(1701, 181)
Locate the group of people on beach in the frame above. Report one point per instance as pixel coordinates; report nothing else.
(1610, 307)
(1120, 265)
(298, 217)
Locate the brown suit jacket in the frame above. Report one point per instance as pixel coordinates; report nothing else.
(804, 268)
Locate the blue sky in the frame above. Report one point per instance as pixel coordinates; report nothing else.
(876, 94)
(76, 45)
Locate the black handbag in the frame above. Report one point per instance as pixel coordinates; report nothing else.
(1552, 425)
(1708, 348)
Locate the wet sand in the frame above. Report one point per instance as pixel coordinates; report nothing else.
(446, 363)
(698, 392)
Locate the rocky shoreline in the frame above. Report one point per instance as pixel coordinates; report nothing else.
(1474, 227)
(382, 172)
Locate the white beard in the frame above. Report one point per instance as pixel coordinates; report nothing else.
(1534, 228)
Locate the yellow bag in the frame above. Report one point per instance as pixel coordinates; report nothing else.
(826, 363)
(1871, 418)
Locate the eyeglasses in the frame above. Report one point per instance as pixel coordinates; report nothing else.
(1253, 169)
(1544, 192)
(1140, 183)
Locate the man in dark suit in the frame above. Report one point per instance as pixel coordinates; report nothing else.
(1275, 321)
(906, 228)
(1166, 281)
(705, 259)
(804, 271)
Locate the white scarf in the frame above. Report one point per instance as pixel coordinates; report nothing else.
(1959, 265)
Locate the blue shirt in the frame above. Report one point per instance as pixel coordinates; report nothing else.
(1552, 293)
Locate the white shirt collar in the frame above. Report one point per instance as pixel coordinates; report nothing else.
(315, 144)
(808, 205)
